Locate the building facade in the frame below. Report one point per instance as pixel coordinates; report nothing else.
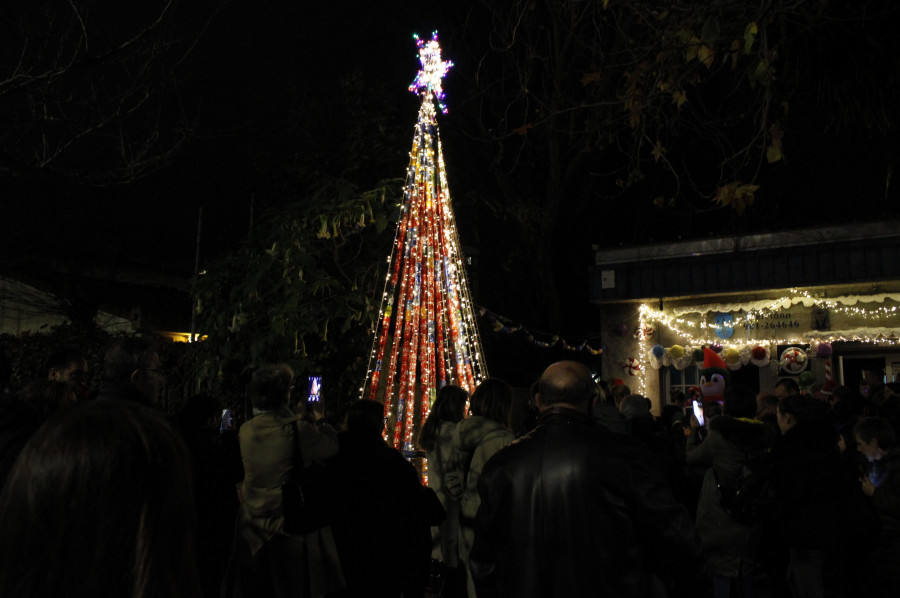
(819, 305)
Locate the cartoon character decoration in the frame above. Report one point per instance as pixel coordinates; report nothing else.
(714, 375)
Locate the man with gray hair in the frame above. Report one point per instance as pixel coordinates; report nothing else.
(131, 371)
(573, 510)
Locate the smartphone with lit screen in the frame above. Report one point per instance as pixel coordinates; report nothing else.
(227, 422)
(698, 412)
(314, 390)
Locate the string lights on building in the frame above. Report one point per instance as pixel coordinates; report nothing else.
(865, 319)
(426, 335)
(701, 331)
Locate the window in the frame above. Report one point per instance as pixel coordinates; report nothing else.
(679, 380)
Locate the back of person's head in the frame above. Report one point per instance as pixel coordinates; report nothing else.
(876, 428)
(739, 402)
(712, 410)
(366, 418)
(60, 359)
(620, 392)
(603, 387)
(492, 399)
(802, 408)
(199, 410)
(99, 503)
(635, 406)
(844, 393)
(125, 356)
(766, 404)
(789, 386)
(678, 397)
(569, 382)
(603, 395)
(449, 406)
(270, 386)
(47, 396)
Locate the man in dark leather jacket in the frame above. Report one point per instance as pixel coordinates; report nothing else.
(573, 510)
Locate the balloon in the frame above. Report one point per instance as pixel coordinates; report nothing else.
(698, 355)
(732, 355)
(658, 351)
(824, 350)
(676, 351)
(759, 356)
(807, 379)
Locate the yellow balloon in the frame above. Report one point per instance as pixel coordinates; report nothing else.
(732, 355)
(676, 351)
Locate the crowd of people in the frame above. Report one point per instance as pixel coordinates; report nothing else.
(601, 497)
(784, 494)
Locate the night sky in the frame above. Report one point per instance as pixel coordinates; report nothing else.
(257, 98)
(260, 79)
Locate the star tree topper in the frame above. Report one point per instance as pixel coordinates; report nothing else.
(432, 71)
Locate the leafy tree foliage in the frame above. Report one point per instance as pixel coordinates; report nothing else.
(93, 106)
(90, 89)
(303, 289)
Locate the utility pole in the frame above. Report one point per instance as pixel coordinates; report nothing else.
(195, 306)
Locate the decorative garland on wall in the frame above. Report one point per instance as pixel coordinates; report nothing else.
(760, 352)
(501, 325)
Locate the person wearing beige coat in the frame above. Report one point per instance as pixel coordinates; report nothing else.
(271, 561)
(475, 441)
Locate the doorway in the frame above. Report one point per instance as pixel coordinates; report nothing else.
(855, 369)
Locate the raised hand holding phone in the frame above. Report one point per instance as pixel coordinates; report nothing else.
(314, 404)
(314, 390)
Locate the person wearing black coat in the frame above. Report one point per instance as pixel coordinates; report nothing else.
(381, 515)
(216, 473)
(18, 422)
(573, 510)
(807, 491)
(876, 440)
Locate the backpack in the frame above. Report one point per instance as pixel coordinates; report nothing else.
(749, 497)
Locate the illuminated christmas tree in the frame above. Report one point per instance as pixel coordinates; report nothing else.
(426, 335)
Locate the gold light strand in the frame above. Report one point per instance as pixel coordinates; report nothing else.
(426, 334)
(679, 325)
